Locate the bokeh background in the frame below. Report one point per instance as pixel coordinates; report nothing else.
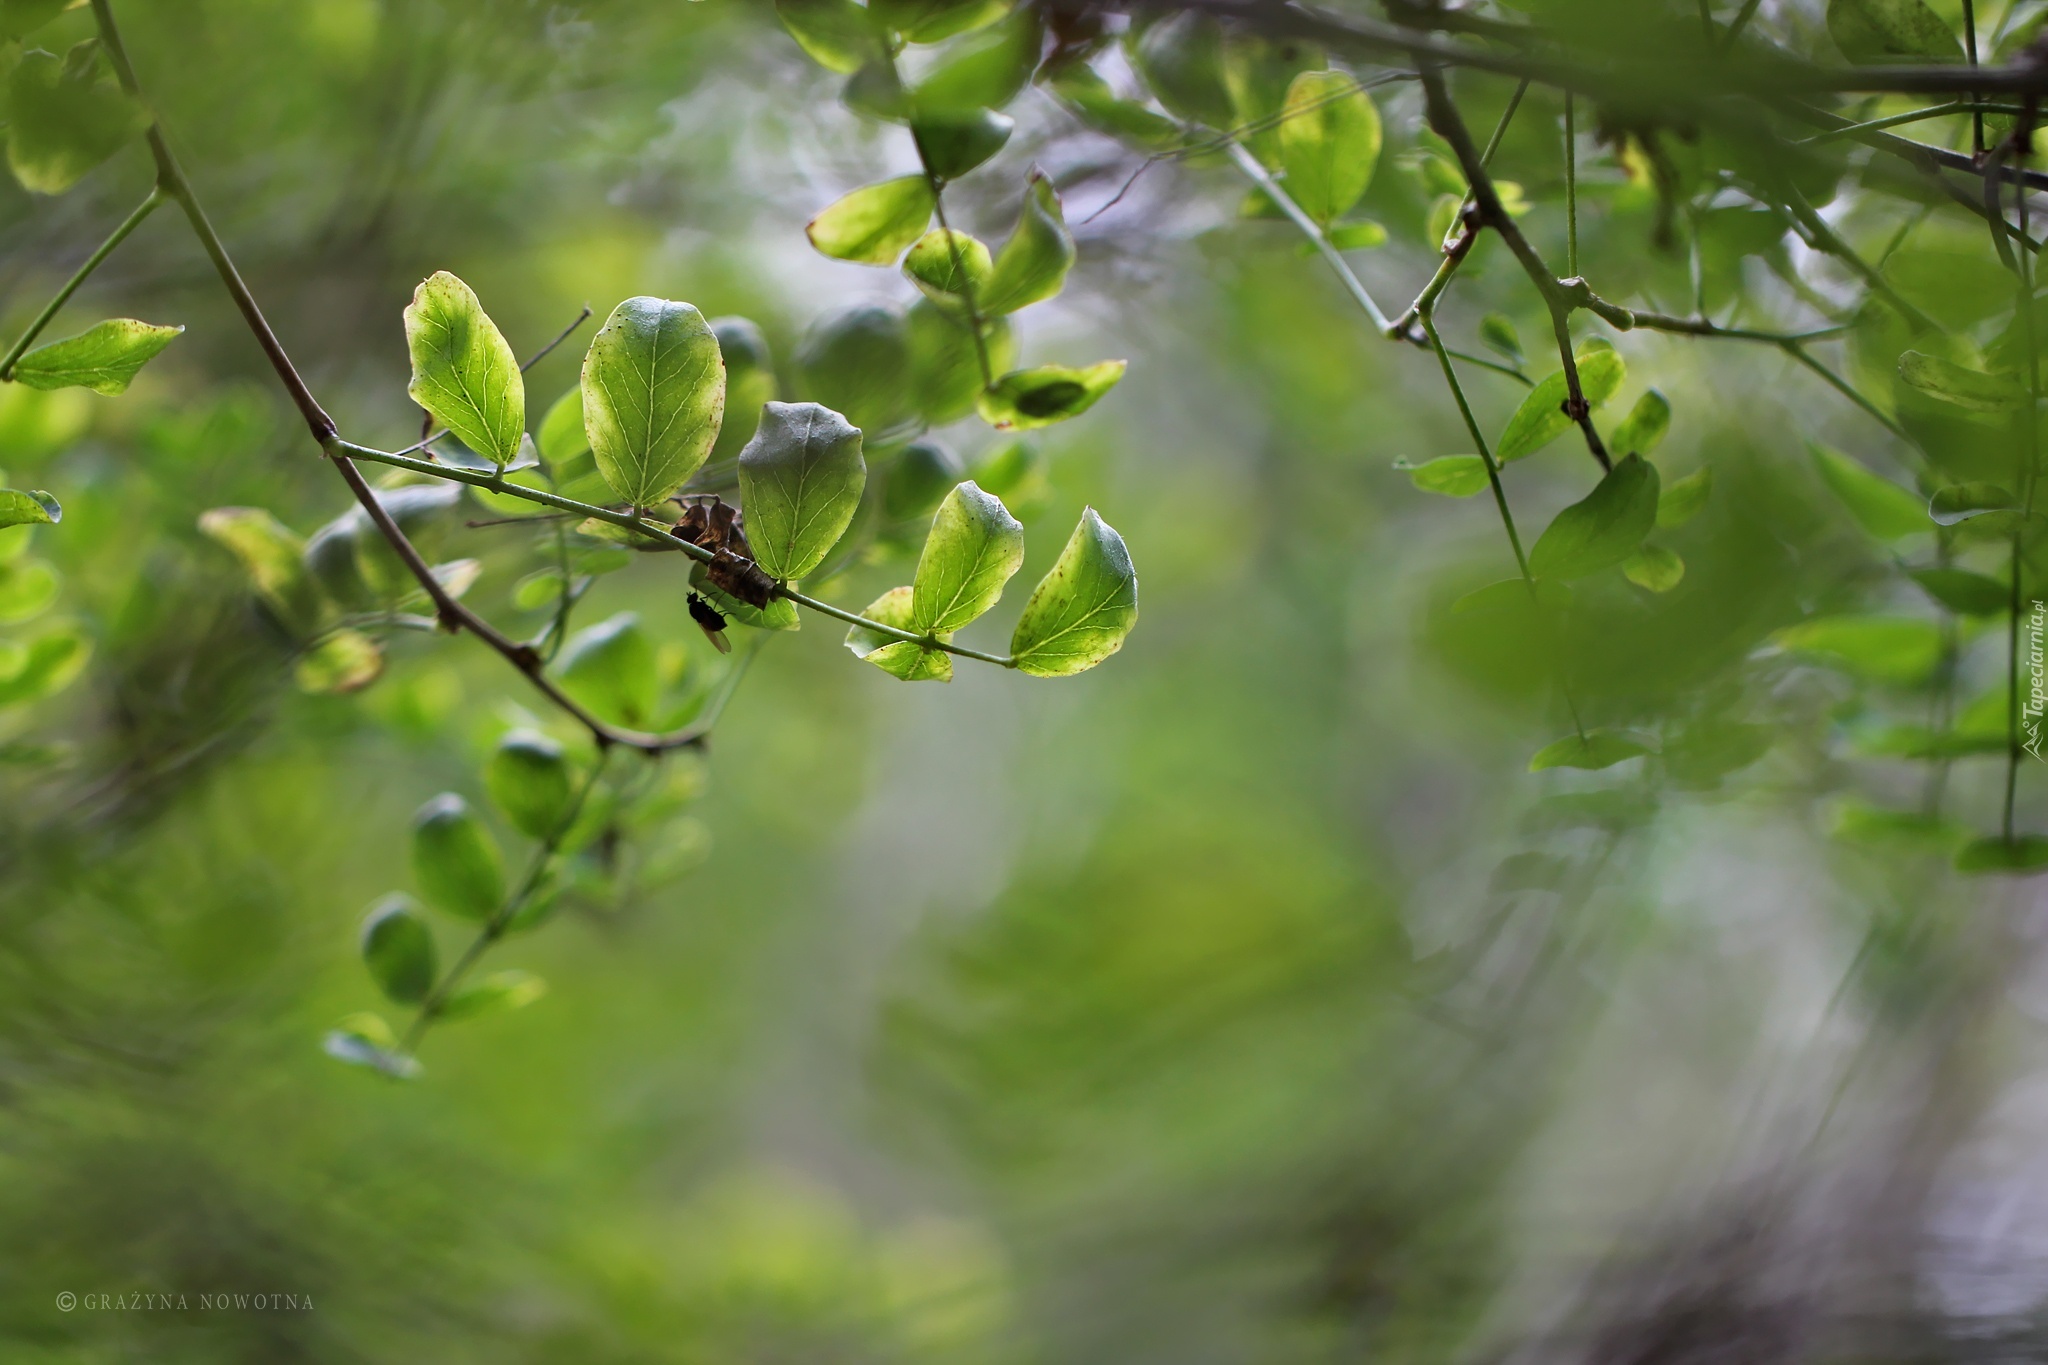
(1243, 999)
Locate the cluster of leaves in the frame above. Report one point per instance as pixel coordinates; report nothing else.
(583, 821)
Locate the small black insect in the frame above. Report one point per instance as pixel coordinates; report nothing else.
(711, 621)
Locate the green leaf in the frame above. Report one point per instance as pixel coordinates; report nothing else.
(1454, 476)
(1899, 650)
(931, 21)
(45, 667)
(1541, 418)
(924, 472)
(1965, 388)
(800, 484)
(836, 34)
(610, 668)
(1879, 506)
(1602, 530)
(1498, 331)
(2023, 856)
(974, 547)
(497, 993)
(1961, 501)
(1329, 142)
(749, 382)
(1862, 823)
(902, 659)
(271, 554)
(65, 116)
(33, 507)
(1682, 499)
(858, 362)
(951, 268)
(19, 18)
(653, 397)
(1088, 97)
(105, 357)
(528, 779)
(874, 223)
(561, 437)
(1180, 59)
(455, 859)
(1079, 614)
(1026, 399)
(1358, 236)
(1963, 592)
(1033, 264)
(1643, 430)
(952, 142)
(398, 948)
(1878, 31)
(365, 1040)
(944, 370)
(28, 588)
(463, 373)
(987, 70)
(1598, 749)
(345, 661)
(1653, 568)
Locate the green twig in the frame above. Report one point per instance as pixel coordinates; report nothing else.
(92, 263)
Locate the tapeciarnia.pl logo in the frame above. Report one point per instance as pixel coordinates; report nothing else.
(2037, 678)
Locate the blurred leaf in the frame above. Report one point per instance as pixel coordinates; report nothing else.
(800, 482)
(1643, 430)
(924, 472)
(1956, 288)
(1965, 388)
(974, 547)
(1541, 419)
(44, 667)
(857, 361)
(837, 34)
(902, 659)
(273, 557)
(1860, 822)
(1498, 331)
(952, 142)
(1015, 472)
(561, 437)
(1329, 143)
(1454, 476)
(1598, 749)
(365, 1040)
(2023, 856)
(876, 90)
(749, 382)
(988, 69)
(19, 18)
(1654, 569)
(1682, 499)
(1360, 236)
(105, 357)
(346, 661)
(64, 117)
(528, 779)
(1900, 650)
(1879, 506)
(1959, 502)
(1878, 31)
(1089, 98)
(1963, 592)
(1180, 58)
(1033, 263)
(495, 994)
(455, 860)
(1079, 613)
(398, 948)
(1023, 400)
(1604, 528)
(609, 667)
(463, 372)
(28, 588)
(931, 21)
(653, 397)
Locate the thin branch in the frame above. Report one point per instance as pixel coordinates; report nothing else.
(1257, 173)
(79, 277)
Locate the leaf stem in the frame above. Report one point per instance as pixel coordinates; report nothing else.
(1571, 188)
(79, 277)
